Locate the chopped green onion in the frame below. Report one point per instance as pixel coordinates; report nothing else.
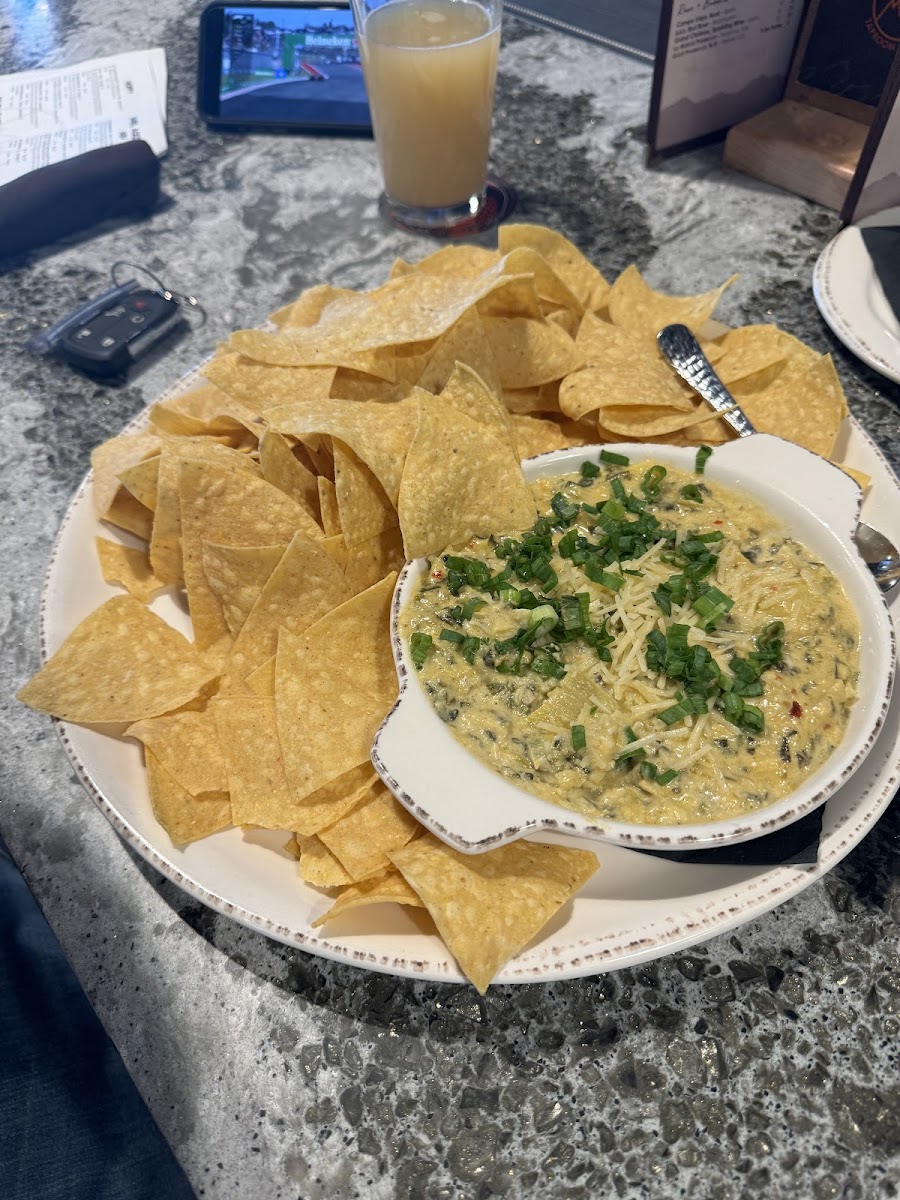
(564, 509)
(596, 573)
(666, 776)
(542, 620)
(452, 635)
(469, 649)
(703, 453)
(619, 460)
(579, 741)
(652, 481)
(589, 470)
(419, 645)
(547, 666)
(612, 508)
(691, 492)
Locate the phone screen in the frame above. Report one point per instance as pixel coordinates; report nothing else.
(289, 65)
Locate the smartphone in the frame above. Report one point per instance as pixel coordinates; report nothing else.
(282, 66)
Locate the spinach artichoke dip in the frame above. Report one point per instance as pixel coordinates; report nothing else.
(656, 650)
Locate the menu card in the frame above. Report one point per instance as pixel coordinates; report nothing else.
(805, 91)
(717, 62)
(50, 115)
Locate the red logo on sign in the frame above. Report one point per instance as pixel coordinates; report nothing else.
(884, 23)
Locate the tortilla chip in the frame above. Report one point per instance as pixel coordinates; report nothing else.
(364, 510)
(165, 542)
(126, 567)
(334, 800)
(533, 435)
(354, 385)
(310, 348)
(305, 585)
(230, 507)
(522, 260)
(184, 817)
(379, 435)
(467, 392)
(362, 840)
(383, 889)
(640, 422)
(860, 477)
(187, 745)
(460, 262)
(333, 687)
(142, 480)
(318, 865)
(129, 514)
(488, 906)
(635, 306)
(371, 560)
(281, 467)
(807, 410)
(261, 387)
(328, 507)
(528, 353)
(261, 682)
(254, 765)
(237, 574)
(464, 342)
(112, 457)
(307, 309)
(747, 351)
(579, 275)
(458, 480)
(121, 664)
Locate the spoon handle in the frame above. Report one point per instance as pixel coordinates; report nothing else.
(682, 349)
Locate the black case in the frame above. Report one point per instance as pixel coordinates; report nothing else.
(65, 197)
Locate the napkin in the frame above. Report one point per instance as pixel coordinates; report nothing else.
(795, 845)
(883, 245)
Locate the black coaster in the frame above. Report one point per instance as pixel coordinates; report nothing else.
(500, 200)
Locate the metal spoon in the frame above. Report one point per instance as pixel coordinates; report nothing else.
(682, 350)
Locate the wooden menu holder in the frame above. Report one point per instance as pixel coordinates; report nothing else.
(809, 143)
(806, 150)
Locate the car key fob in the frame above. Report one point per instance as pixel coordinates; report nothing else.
(108, 333)
(109, 341)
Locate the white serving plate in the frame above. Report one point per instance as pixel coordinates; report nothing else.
(472, 807)
(850, 297)
(637, 907)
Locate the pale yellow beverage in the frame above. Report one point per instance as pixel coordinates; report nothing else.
(430, 69)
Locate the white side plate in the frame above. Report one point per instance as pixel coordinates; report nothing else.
(850, 298)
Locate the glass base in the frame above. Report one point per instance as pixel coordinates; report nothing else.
(461, 221)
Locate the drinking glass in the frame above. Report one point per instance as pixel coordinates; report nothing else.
(430, 67)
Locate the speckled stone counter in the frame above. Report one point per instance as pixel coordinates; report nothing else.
(762, 1063)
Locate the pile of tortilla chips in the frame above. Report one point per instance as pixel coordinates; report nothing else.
(281, 495)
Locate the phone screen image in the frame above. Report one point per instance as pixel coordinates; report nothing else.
(291, 65)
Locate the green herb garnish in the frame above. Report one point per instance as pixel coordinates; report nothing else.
(419, 646)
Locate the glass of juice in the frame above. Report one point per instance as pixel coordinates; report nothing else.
(430, 67)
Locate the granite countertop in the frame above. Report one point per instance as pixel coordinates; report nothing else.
(761, 1063)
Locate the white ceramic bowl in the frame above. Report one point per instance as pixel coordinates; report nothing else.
(470, 806)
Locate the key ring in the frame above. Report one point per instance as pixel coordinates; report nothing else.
(188, 302)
